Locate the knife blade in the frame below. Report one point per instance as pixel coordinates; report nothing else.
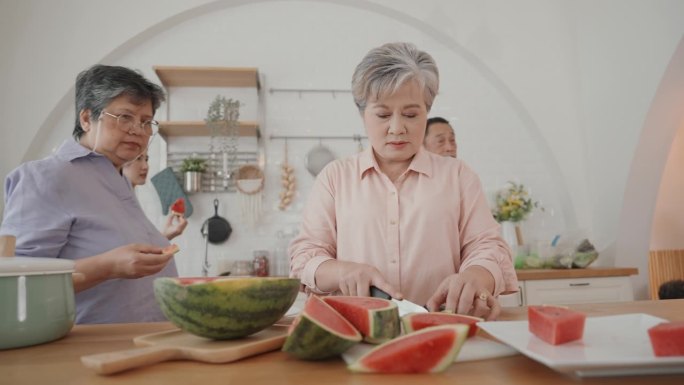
(405, 306)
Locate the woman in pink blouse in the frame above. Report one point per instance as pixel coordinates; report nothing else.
(414, 224)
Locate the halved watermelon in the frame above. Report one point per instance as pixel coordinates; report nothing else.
(418, 321)
(667, 339)
(320, 332)
(225, 308)
(377, 319)
(429, 350)
(178, 207)
(555, 324)
(171, 249)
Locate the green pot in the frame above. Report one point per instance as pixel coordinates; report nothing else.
(37, 300)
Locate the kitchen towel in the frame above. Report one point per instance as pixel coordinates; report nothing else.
(169, 190)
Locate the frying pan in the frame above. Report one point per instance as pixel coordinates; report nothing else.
(317, 158)
(216, 229)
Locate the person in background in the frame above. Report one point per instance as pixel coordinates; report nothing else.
(76, 204)
(440, 138)
(136, 172)
(387, 216)
(673, 289)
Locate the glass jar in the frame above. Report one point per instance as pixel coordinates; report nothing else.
(261, 263)
(242, 268)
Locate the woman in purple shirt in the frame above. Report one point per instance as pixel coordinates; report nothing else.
(76, 204)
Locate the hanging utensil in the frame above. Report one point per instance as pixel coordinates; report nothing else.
(216, 228)
(205, 263)
(317, 158)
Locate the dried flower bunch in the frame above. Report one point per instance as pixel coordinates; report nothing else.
(289, 183)
(513, 203)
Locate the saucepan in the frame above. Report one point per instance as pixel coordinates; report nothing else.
(36, 298)
(317, 158)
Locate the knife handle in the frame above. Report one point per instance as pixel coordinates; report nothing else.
(379, 293)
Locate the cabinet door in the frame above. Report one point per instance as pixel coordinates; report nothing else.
(580, 290)
(515, 299)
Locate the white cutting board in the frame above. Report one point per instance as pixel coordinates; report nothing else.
(475, 348)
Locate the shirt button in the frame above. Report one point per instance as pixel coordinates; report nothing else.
(393, 193)
(394, 261)
(393, 222)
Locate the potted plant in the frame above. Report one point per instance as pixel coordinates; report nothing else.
(513, 205)
(192, 169)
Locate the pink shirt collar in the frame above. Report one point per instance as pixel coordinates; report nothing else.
(421, 162)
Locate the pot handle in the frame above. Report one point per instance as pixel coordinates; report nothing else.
(77, 277)
(7, 245)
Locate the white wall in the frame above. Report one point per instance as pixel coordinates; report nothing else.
(551, 93)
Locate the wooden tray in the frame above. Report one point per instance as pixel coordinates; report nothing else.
(179, 345)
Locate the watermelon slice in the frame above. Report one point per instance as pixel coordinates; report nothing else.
(320, 332)
(171, 249)
(555, 324)
(178, 207)
(430, 350)
(418, 321)
(377, 319)
(667, 339)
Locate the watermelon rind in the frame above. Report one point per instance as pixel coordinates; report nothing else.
(460, 332)
(407, 321)
(225, 308)
(384, 323)
(310, 339)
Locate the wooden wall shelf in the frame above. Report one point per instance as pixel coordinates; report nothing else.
(199, 128)
(174, 76)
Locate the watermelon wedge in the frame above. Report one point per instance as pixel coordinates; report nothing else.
(555, 324)
(320, 332)
(377, 319)
(171, 249)
(667, 339)
(178, 207)
(418, 321)
(429, 350)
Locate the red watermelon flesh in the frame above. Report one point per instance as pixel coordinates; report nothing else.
(429, 350)
(329, 317)
(178, 206)
(555, 324)
(193, 280)
(418, 321)
(377, 319)
(667, 339)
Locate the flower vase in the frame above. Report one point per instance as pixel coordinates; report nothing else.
(508, 233)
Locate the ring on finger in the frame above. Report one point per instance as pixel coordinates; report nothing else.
(482, 296)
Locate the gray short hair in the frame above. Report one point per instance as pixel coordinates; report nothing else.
(97, 86)
(386, 68)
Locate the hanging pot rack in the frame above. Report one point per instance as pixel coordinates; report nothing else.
(315, 137)
(300, 91)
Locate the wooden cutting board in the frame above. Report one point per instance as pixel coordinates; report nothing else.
(179, 345)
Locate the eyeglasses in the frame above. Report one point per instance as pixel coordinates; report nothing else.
(127, 123)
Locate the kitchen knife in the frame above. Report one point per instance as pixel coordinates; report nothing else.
(405, 306)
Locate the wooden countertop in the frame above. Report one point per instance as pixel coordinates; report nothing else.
(591, 272)
(59, 362)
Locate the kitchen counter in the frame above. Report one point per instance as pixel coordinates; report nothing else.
(59, 362)
(590, 272)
